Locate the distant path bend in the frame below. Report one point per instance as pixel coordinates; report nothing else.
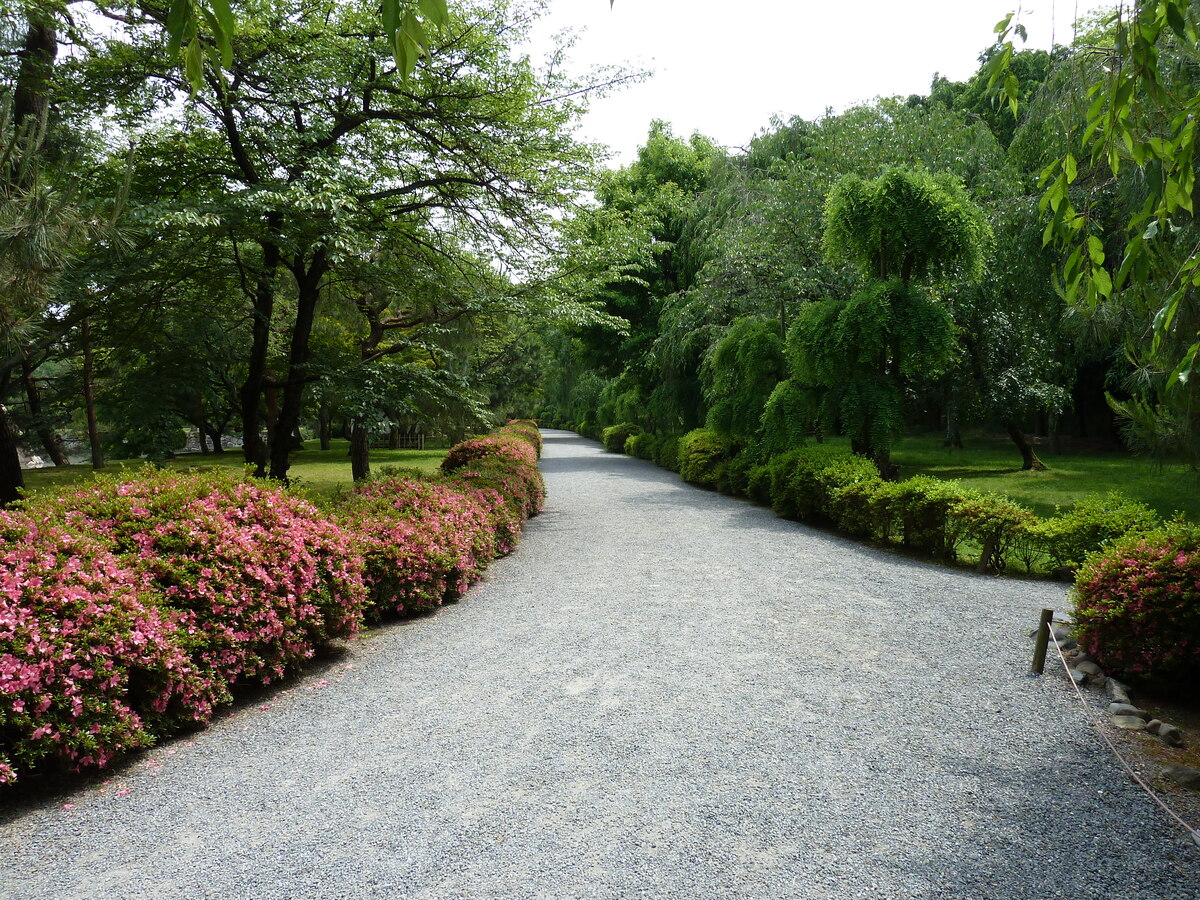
(664, 693)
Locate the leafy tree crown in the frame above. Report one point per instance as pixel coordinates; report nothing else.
(907, 224)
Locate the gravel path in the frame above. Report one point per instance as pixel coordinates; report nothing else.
(663, 693)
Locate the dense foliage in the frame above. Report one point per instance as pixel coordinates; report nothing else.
(829, 485)
(332, 234)
(1137, 607)
(131, 609)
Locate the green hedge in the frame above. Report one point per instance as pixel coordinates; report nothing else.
(642, 445)
(826, 485)
(704, 458)
(615, 436)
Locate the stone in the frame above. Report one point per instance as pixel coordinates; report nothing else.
(1126, 709)
(1170, 735)
(1185, 775)
(1077, 676)
(1116, 691)
(1063, 636)
(1130, 723)
(1087, 667)
(1153, 724)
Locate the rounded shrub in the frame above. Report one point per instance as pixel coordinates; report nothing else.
(797, 490)
(920, 507)
(704, 457)
(666, 451)
(422, 542)
(255, 575)
(642, 445)
(1087, 525)
(615, 436)
(1137, 607)
(995, 524)
(852, 484)
(527, 429)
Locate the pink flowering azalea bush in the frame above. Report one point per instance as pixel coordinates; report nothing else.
(505, 461)
(425, 541)
(1137, 607)
(526, 429)
(130, 609)
(255, 576)
(89, 665)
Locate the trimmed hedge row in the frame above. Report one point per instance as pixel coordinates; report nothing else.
(1137, 591)
(130, 610)
(828, 485)
(615, 437)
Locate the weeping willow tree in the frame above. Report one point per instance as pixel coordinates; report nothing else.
(743, 369)
(905, 231)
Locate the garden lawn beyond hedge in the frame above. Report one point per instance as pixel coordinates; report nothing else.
(129, 609)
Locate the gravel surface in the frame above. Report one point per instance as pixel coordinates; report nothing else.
(663, 693)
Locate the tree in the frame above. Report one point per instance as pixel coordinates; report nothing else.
(314, 142)
(1139, 130)
(903, 227)
(745, 366)
(644, 209)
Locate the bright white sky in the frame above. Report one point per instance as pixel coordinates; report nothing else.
(724, 67)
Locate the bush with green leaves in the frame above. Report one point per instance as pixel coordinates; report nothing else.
(739, 471)
(1137, 607)
(797, 488)
(704, 457)
(919, 508)
(853, 484)
(994, 523)
(1073, 534)
(666, 451)
(615, 436)
(643, 445)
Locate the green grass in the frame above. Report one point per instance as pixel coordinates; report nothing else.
(993, 464)
(321, 472)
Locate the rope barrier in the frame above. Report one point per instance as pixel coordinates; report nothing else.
(1102, 731)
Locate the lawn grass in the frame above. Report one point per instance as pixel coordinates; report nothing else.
(993, 464)
(319, 472)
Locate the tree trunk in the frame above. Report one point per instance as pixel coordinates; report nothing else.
(11, 477)
(202, 437)
(360, 451)
(325, 425)
(49, 440)
(308, 292)
(1054, 434)
(89, 399)
(31, 98)
(953, 432)
(1029, 460)
(253, 448)
(394, 437)
(888, 470)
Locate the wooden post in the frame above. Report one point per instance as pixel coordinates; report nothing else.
(1043, 639)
